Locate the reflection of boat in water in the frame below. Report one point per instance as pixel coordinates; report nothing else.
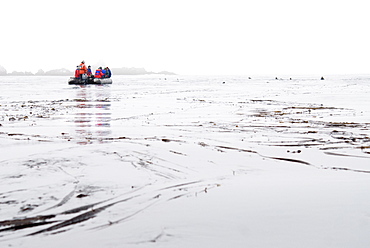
(91, 113)
(79, 81)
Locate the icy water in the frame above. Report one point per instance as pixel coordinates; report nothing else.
(81, 158)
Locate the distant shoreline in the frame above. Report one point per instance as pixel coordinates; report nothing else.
(66, 72)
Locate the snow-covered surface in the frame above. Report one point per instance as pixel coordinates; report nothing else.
(185, 161)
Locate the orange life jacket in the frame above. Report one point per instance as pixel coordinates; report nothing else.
(83, 69)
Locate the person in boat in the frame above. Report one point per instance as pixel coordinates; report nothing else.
(104, 72)
(77, 72)
(98, 73)
(83, 69)
(89, 73)
(108, 73)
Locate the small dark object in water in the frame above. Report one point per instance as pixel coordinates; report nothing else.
(81, 195)
(28, 207)
(322, 78)
(298, 151)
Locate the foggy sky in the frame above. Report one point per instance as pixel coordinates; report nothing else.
(188, 37)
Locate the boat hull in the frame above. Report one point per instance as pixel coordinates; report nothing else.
(78, 81)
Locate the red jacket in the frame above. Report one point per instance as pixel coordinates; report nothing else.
(77, 73)
(98, 73)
